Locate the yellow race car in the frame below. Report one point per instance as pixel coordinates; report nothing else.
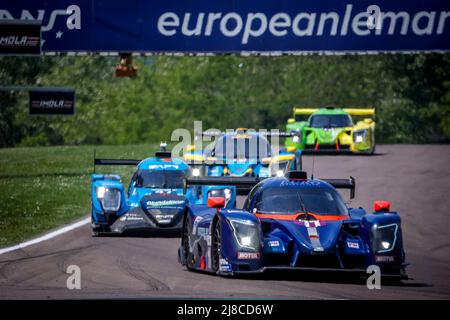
(332, 130)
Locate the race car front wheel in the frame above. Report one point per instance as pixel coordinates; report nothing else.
(187, 231)
(216, 245)
(95, 230)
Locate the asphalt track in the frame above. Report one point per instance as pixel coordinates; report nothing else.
(415, 178)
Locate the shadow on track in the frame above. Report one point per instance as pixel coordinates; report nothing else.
(145, 234)
(342, 154)
(328, 277)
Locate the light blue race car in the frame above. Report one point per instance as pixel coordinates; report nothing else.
(243, 153)
(154, 200)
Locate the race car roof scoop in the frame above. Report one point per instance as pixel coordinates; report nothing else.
(296, 175)
(163, 154)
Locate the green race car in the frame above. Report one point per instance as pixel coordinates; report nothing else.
(332, 130)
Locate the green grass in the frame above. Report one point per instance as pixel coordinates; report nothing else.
(44, 187)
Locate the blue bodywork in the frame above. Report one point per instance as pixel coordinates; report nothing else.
(155, 207)
(334, 243)
(252, 156)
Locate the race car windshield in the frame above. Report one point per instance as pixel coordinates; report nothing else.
(320, 201)
(330, 121)
(160, 179)
(242, 147)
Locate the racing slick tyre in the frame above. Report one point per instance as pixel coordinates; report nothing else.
(216, 244)
(187, 231)
(371, 151)
(94, 233)
(95, 230)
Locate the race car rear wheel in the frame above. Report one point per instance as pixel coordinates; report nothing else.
(216, 245)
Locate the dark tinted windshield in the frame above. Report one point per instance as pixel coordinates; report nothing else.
(242, 146)
(322, 201)
(160, 179)
(330, 121)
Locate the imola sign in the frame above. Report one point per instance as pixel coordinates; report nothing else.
(230, 26)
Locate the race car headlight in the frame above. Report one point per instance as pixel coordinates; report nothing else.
(109, 197)
(246, 233)
(359, 136)
(296, 139)
(101, 192)
(196, 172)
(384, 238)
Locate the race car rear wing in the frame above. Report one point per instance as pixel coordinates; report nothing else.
(241, 183)
(265, 133)
(304, 111)
(247, 183)
(343, 184)
(115, 162)
(363, 112)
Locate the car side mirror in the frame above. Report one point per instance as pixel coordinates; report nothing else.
(291, 120)
(381, 206)
(216, 202)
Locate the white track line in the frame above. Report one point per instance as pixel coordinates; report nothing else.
(47, 236)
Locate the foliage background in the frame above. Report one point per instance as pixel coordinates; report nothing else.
(410, 92)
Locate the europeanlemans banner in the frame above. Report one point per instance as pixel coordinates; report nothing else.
(236, 26)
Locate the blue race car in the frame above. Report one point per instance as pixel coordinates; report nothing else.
(242, 153)
(154, 200)
(290, 223)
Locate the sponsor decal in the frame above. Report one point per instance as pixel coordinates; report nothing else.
(384, 258)
(274, 243)
(131, 218)
(248, 255)
(353, 245)
(313, 224)
(163, 166)
(163, 191)
(164, 218)
(202, 231)
(164, 203)
(195, 224)
(224, 265)
(312, 183)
